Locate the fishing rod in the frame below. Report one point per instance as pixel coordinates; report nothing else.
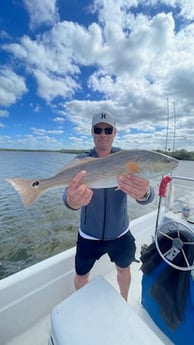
(168, 127)
(167, 179)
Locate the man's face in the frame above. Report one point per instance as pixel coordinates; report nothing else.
(103, 135)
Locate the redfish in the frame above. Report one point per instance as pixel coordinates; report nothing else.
(100, 172)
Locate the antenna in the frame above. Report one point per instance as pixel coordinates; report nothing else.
(174, 137)
(167, 127)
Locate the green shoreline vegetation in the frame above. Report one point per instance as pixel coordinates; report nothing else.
(178, 154)
(73, 151)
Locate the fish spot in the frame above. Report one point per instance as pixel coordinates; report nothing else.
(35, 184)
(132, 167)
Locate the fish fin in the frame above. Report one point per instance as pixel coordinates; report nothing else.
(28, 189)
(132, 167)
(77, 161)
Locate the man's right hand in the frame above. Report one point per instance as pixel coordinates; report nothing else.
(78, 194)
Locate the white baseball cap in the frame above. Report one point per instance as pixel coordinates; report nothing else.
(103, 117)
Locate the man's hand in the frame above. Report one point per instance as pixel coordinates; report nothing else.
(78, 194)
(133, 185)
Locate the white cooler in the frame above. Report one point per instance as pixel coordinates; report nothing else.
(97, 315)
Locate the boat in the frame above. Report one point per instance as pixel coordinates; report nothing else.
(39, 305)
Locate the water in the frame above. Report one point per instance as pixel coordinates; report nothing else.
(28, 236)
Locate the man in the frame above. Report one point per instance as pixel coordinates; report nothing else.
(104, 223)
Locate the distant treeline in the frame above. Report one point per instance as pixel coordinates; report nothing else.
(178, 154)
(74, 151)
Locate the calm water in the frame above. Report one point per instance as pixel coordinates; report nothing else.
(28, 236)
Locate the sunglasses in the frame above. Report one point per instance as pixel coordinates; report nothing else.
(107, 130)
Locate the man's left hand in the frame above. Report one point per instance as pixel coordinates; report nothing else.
(135, 186)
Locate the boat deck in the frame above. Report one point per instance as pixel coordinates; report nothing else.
(39, 333)
(28, 297)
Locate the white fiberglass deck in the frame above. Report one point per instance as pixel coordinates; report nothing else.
(38, 334)
(97, 314)
(38, 331)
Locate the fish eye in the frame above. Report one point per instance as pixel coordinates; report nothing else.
(35, 184)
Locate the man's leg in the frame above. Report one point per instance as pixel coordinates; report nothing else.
(124, 279)
(87, 252)
(80, 281)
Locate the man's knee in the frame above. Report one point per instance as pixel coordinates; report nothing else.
(123, 270)
(80, 280)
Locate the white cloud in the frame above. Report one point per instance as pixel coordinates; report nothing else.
(41, 12)
(51, 86)
(133, 63)
(12, 87)
(4, 34)
(59, 120)
(4, 113)
(31, 142)
(147, 52)
(40, 131)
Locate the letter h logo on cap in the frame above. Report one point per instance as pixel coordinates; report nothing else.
(103, 116)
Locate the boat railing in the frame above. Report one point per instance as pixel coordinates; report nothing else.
(180, 194)
(182, 178)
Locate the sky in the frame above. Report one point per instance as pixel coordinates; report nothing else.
(62, 61)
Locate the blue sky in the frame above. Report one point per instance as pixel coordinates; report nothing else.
(63, 61)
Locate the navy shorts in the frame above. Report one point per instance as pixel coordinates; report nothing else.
(121, 251)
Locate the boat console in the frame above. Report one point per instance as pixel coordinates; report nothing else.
(168, 271)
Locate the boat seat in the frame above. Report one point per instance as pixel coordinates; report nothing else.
(97, 314)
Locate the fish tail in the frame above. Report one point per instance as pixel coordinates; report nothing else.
(28, 189)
